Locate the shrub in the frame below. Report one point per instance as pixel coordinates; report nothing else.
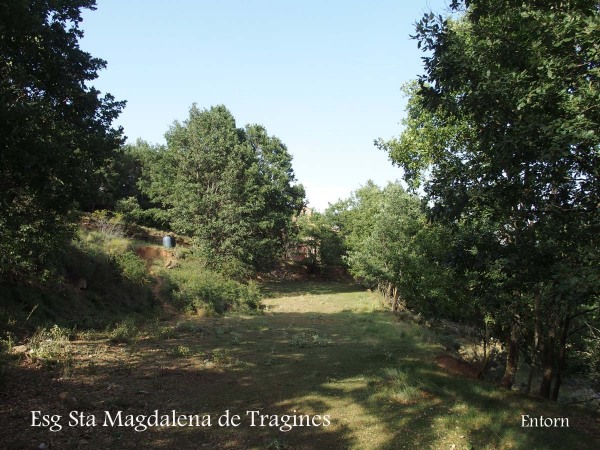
(7, 342)
(132, 268)
(125, 331)
(50, 346)
(106, 260)
(108, 223)
(116, 246)
(200, 290)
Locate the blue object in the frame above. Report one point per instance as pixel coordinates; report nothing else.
(168, 242)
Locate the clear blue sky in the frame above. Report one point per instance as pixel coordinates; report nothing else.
(323, 76)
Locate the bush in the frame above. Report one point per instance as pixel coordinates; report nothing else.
(589, 355)
(200, 290)
(132, 268)
(7, 342)
(125, 331)
(105, 258)
(99, 274)
(133, 213)
(108, 223)
(51, 347)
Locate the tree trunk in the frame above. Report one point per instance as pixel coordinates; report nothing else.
(536, 338)
(561, 359)
(388, 292)
(395, 300)
(547, 347)
(512, 357)
(486, 357)
(547, 362)
(531, 370)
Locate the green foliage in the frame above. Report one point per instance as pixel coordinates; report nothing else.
(98, 273)
(203, 291)
(355, 217)
(502, 128)
(46, 343)
(384, 224)
(140, 172)
(7, 342)
(391, 246)
(588, 347)
(132, 268)
(107, 223)
(55, 131)
(231, 189)
(51, 347)
(126, 331)
(319, 234)
(103, 259)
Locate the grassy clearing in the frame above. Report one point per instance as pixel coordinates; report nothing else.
(318, 349)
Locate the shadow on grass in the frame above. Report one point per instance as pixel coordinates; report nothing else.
(295, 288)
(280, 364)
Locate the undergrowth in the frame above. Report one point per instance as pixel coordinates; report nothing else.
(101, 284)
(98, 281)
(201, 291)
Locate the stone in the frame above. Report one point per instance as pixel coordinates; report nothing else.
(19, 350)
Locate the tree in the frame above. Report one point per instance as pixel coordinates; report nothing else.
(391, 246)
(319, 234)
(503, 126)
(232, 189)
(55, 131)
(137, 173)
(275, 195)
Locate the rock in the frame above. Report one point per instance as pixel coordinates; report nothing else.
(19, 350)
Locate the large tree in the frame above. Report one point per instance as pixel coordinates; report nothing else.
(231, 188)
(55, 130)
(390, 246)
(505, 127)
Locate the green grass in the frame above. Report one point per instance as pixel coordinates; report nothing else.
(319, 349)
(98, 281)
(202, 291)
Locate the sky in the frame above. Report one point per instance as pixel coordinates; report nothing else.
(323, 76)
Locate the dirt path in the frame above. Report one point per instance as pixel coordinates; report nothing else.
(325, 354)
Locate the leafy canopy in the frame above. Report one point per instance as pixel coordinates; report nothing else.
(503, 130)
(231, 188)
(55, 130)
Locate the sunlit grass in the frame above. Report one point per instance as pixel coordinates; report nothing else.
(320, 349)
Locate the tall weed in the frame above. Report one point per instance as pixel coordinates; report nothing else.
(125, 331)
(51, 347)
